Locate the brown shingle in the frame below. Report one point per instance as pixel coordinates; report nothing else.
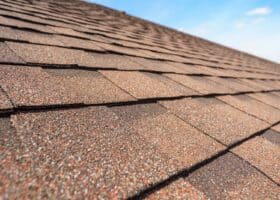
(253, 107)
(230, 177)
(156, 65)
(66, 31)
(89, 86)
(22, 24)
(140, 85)
(122, 50)
(33, 86)
(200, 84)
(28, 36)
(170, 134)
(234, 84)
(82, 153)
(253, 83)
(48, 54)
(111, 61)
(216, 118)
(79, 43)
(263, 154)
(268, 98)
(180, 189)
(7, 55)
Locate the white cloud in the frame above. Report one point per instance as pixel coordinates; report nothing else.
(259, 11)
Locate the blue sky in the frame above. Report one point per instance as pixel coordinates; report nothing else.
(249, 25)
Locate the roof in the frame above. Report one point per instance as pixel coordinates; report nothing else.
(97, 104)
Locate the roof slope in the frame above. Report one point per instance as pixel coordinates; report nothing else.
(97, 104)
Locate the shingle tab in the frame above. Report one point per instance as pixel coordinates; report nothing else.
(253, 107)
(111, 61)
(263, 154)
(230, 177)
(22, 24)
(79, 43)
(47, 54)
(216, 118)
(31, 86)
(180, 189)
(201, 84)
(28, 36)
(233, 83)
(7, 55)
(268, 98)
(170, 134)
(140, 85)
(89, 86)
(34, 86)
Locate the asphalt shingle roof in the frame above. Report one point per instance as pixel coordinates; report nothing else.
(97, 104)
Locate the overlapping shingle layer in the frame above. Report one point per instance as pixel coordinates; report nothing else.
(96, 104)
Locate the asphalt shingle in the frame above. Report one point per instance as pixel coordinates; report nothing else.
(7, 55)
(121, 62)
(89, 86)
(263, 154)
(234, 84)
(47, 54)
(27, 86)
(253, 107)
(216, 118)
(201, 84)
(170, 134)
(28, 36)
(268, 98)
(23, 24)
(141, 85)
(230, 177)
(180, 189)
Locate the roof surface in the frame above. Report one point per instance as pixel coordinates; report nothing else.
(96, 104)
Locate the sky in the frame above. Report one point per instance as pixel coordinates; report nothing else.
(248, 25)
